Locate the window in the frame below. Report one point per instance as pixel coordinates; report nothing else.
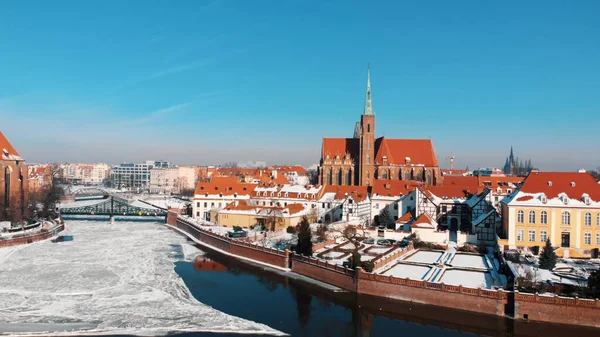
(520, 235)
(408, 209)
(350, 210)
(588, 219)
(598, 238)
(369, 145)
(520, 217)
(212, 204)
(384, 175)
(376, 206)
(531, 216)
(543, 236)
(531, 236)
(368, 127)
(544, 218)
(587, 238)
(198, 204)
(368, 159)
(197, 213)
(598, 219)
(219, 205)
(444, 209)
(395, 206)
(566, 218)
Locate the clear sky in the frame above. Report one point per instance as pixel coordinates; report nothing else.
(204, 82)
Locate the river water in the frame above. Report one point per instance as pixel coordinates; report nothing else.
(145, 279)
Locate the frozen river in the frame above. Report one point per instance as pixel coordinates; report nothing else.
(111, 279)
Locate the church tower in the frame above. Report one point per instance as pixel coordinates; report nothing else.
(367, 139)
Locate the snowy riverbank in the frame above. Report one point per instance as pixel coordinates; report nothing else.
(111, 279)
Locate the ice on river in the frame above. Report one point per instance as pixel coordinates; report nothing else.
(110, 279)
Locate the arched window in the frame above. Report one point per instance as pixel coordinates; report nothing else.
(520, 216)
(338, 178)
(329, 178)
(384, 175)
(588, 219)
(544, 218)
(566, 218)
(407, 175)
(428, 177)
(368, 175)
(400, 175)
(531, 216)
(419, 175)
(7, 186)
(368, 159)
(368, 127)
(349, 177)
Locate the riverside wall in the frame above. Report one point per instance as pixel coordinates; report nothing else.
(532, 307)
(23, 240)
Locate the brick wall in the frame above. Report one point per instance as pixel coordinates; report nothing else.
(483, 301)
(322, 245)
(556, 309)
(32, 238)
(324, 272)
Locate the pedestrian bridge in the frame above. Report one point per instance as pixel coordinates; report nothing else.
(111, 206)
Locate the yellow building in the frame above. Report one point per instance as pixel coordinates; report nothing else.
(563, 207)
(240, 213)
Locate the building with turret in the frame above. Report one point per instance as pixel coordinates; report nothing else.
(510, 164)
(362, 159)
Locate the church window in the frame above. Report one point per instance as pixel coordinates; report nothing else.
(338, 178)
(407, 175)
(329, 173)
(520, 216)
(384, 175)
(368, 175)
(369, 145)
(428, 178)
(349, 177)
(368, 127)
(419, 175)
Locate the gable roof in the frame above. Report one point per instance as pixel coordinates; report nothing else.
(420, 151)
(224, 185)
(7, 151)
(574, 184)
(340, 146)
(424, 221)
(407, 217)
(393, 188)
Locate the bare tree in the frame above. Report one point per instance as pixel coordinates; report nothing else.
(273, 219)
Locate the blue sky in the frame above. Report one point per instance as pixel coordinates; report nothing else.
(204, 82)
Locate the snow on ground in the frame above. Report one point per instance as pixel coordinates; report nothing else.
(407, 270)
(367, 257)
(466, 260)
(424, 257)
(333, 255)
(111, 279)
(471, 279)
(379, 250)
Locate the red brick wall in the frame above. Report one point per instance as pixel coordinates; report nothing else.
(172, 217)
(558, 309)
(482, 301)
(29, 239)
(327, 273)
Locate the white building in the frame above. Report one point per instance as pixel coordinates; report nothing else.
(172, 180)
(218, 193)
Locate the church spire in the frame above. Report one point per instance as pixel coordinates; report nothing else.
(368, 107)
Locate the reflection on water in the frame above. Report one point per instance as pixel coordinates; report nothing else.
(302, 309)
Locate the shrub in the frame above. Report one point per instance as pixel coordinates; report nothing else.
(368, 266)
(304, 246)
(291, 229)
(548, 257)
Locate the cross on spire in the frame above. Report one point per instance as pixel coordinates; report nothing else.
(368, 107)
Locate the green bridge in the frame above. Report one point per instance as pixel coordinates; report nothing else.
(113, 206)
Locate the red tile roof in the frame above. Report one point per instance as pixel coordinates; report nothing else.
(243, 205)
(407, 217)
(7, 151)
(358, 193)
(340, 146)
(449, 192)
(574, 184)
(461, 181)
(287, 169)
(225, 186)
(420, 151)
(453, 172)
(423, 221)
(393, 188)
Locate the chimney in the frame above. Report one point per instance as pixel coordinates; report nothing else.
(581, 171)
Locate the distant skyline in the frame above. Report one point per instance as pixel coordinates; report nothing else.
(206, 82)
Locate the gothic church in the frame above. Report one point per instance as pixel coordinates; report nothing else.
(362, 159)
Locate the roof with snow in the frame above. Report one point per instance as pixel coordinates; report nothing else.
(424, 221)
(7, 151)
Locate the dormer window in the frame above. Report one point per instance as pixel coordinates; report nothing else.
(407, 159)
(543, 198)
(565, 199)
(572, 184)
(206, 195)
(235, 195)
(549, 183)
(201, 187)
(220, 195)
(586, 199)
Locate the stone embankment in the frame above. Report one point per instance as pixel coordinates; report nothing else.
(492, 302)
(47, 231)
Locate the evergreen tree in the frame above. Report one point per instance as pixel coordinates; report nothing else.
(594, 284)
(386, 219)
(548, 257)
(304, 246)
